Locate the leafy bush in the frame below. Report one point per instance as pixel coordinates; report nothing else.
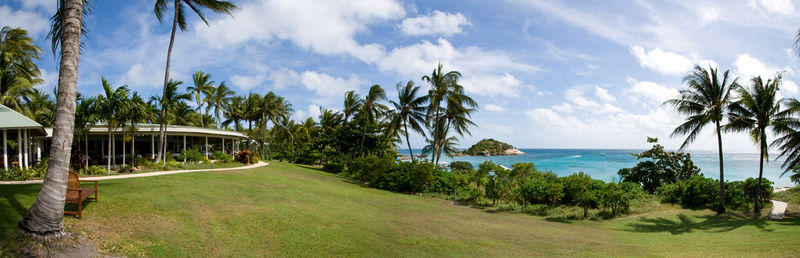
(191, 156)
(696, 192)
(246, 157)
(660, 167)
(76, 159)
(125, 169)
(333, 167)
(368, 169)
(461, 165)
(409, 177)
(616, 198)
(93, 171)
(576, 185)
(222, 157)
(540, 190)
(15, 174)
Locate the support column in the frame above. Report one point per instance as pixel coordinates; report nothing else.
(206, 146)
(184, 143)
(39, 151)
(152, 147)
(5, 149)
(25, 148)
(223, 145)
(19, 147)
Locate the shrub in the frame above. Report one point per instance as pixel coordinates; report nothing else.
(368, 169)
(696, 192)
(222, 157)
(191, 156)
(246, 157)
(615, 198)
(76, 159)
(540, 190)
(576, 184)
(409, 177)
(659, 167)
(93, 170)
(461, 165)
(125, 169)
(333, 167)
(15, 174)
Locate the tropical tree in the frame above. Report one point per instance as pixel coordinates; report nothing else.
(234, 112)
(372, 110)
(136, 111)
(705, 102)
(39, 107)
(409, 109)
(46, 215)
(179, 20)
(112, 107)
(329, 119)
(86, 116)
(18, 72)
(352, 103)
(203, 85)
(170, 102)
(787, 128)
(754, 111)
(218, 100)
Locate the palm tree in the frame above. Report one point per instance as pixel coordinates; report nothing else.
(18, 72)
(46, 215)
(136, 112)
(754, 111)
(112, 106)
(409, 109)
(442, 85)
(39, 107)
(788, 142)
(372, 110)
(352, 103)
(704, 102)
(86, 116)
(329, 119)
(234, 112)
(218, 99)
(253, 109)
(202, 85)
(169, 102)
(179, 20)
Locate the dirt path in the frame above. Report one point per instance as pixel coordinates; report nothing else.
(155, 173)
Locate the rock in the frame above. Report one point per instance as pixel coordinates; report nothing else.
(513, 152)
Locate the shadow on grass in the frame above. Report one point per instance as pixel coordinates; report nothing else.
(711, 223)
(14, 203)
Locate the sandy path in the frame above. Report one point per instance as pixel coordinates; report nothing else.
(155, 173)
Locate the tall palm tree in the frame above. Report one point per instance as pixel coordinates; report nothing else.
(329, 119)
(86, 116)
(136, 111)
(372, 110)
(442, 84)
(409, 109)
(253, 109)
(705, 102)
(18, 72)
(352, 103)
(457, 116)
(754, 111)
(46, 215)
(234, 112)
(39, 107)
(112, 106)
(169, 102)
(203, 85)
(787, 128)
(179, 20)
(218, 100)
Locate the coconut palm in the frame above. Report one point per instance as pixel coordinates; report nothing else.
(169, 102)
(112, 106)
(18, 72)
(372, 110)
(705, 102)
(234, 112)
(253, 109)
(788, 129)
(46, 215)
(39, 107)
(203, 85)
(442, 84)
(136, 111)
(329, 119)
(352, 103)
(86, 116)
(218, 99)
(179, 20)
(457, 116)
(755, 110)
(409, 110)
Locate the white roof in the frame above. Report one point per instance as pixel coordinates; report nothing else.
(171, 130)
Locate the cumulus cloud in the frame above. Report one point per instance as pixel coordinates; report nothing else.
(578, 101)
(437, 23)
(650, 92)
(247, 82)
(662, 61)
(33, 22)
(492, 85)
(284, 77)
(778, 6)
(494, 108)
(603, 94)
(329, 86)
(140, 77)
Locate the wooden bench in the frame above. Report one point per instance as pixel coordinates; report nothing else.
(77, 194)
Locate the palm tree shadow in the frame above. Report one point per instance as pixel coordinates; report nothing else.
(686, 224)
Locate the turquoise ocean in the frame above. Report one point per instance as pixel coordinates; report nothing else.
(604, 164)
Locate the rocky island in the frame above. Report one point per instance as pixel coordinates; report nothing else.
(491, 147)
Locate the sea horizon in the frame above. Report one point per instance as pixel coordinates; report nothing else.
(604, 164)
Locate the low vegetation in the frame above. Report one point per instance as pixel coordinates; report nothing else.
(488, 147)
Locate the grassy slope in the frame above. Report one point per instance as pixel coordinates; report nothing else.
(284, 209)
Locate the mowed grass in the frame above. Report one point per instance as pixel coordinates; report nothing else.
(284, 209)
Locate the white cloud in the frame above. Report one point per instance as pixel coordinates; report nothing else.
(329, 86)
(577, 101)
(326, 27)
(790, 87)
(493, 85)
(778, 6)
(494, 108)
(603, 94)
(650, 92)
(139, 77)
(284, 77)
(749, 67)
(246, 82)
(34, 23)
(439, 22)
(48, 5)
(662, 61)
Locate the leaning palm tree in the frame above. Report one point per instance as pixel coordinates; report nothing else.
(755, 110)
(39, 107)
(788, 129)
(705, 102)
(18, 72)
(46, 215)
(179, 20)
(203, 85)
(409, 109)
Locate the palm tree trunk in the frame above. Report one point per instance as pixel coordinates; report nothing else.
(163, 126)
(756, 205)
(721, 207)
(410, 152)
(109, 149)
(123, 144)
(133, 150)
(46, 215)
(86, 142)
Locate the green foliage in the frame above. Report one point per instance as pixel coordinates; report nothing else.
(246, 157)
(407, 177)
(542, 190)
(125, 169)
(461, 165)
(616, 198)
(701, 192)
(488, 147)
(221, 157)
(368, 169)
(190, 155)
(659, 167)
(93, 171)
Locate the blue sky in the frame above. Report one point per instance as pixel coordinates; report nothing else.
(547, 74)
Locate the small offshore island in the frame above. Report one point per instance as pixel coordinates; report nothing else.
(490, 147)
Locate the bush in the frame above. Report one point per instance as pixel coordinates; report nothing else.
(15, 174)
(540, 190)
(125, 169)
(696, 192)
(659, 167)
(333, 167)
(408, 177)
(76, 159)
(461, 165)
(93, 170)
(246, 157)
(368, 169)
(191, 156)
(576, 185)
(615, 198)
(222, 157)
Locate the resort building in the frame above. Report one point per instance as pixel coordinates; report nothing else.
(93, 144)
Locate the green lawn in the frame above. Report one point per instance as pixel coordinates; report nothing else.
(283, 209)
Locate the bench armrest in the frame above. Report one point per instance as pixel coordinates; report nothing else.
(95, 182)
(79, 190)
